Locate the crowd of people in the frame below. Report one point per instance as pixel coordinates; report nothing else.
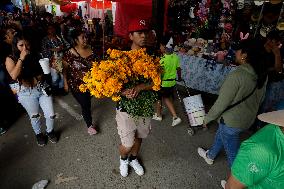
(25, 39)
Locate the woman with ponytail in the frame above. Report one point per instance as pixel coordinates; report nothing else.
(239, 99)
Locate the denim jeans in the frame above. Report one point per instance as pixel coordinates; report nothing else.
(32, 99)
(228, 138)
(57, 79)
(280, 105)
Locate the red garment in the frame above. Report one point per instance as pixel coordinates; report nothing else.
(140, 2)
(99, 4)
(69, 7)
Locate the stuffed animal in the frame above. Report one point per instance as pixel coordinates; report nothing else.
(200, 42)
(191, 42)
(191, 13)
(224, 41)
(190, 52)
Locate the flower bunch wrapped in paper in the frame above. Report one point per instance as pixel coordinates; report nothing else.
(124, 70)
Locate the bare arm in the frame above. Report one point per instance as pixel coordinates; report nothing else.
(64, 72)
(278, 63)
(233, 183)
(133, 92)
(179, 73)
(14, 69)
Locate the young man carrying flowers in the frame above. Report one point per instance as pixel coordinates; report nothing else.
(133, 129)
(130, 78)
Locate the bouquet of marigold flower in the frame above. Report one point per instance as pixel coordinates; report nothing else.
(122, 70)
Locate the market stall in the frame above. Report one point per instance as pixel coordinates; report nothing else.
(203, 74)
(204, 32)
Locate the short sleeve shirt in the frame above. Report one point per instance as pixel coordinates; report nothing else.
(77, 68)
(260, 160)
(170, 63)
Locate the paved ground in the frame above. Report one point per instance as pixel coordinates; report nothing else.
(91, 162)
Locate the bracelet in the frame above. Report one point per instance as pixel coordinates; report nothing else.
(20, 60)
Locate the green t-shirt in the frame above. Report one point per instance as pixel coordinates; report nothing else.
(170, 63)
(260, 160)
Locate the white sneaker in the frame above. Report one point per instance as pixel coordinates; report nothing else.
(176, 121)
(223, 183)
(137, 167)
(203, 154)
(123, 168)
(157, 118)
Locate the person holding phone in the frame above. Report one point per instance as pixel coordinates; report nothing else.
(271, 49)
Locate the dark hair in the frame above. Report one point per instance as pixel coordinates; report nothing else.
(164, 40)
(75, 34)
(274, 35)
(256, 59)
(31, 67)
(51, 25)
(15, 51)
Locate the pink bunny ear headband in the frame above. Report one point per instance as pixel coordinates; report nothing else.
(244, 37)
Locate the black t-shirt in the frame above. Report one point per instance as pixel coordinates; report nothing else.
(5, 51)
(31, 67)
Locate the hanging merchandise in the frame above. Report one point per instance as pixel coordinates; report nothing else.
(53, 9)
(258, 3)
(241, 4)
(71, 7)
(269, 18)
(280, 22)
(100, 4)
(27, 6)
(191, 13)
(199, 18)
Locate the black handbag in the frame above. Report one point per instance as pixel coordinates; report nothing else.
(46, 88)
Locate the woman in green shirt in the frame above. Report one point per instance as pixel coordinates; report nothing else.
(245, 85)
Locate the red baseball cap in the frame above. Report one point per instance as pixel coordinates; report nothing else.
(138, 25)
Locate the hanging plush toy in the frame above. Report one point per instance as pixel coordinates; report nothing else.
(241, 4)
(191, 13)
(203, 11)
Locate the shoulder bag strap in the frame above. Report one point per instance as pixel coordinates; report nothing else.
(240, 101)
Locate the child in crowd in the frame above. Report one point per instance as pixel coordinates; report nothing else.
(171, 65)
